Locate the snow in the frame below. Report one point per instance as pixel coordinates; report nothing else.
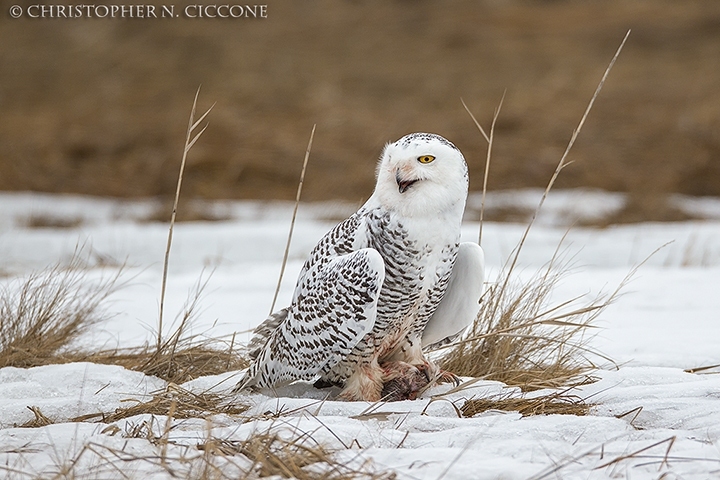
(652, 419)
(63, 392)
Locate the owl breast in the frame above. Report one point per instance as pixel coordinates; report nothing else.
(418, 264)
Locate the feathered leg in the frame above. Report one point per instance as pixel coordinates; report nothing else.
(406, 371)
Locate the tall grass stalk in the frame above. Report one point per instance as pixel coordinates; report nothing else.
(189, 142)
(292, 222)
(517, 337)
(563, 160)
(487, 158)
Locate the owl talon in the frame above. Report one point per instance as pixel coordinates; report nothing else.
(449, 377)
(322, 383)
(403, 381)
(425, 370)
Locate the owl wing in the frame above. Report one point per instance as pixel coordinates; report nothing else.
(262, 332)
(334, 306)
(461, 302)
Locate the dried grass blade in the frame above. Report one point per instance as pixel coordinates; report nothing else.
(186, 149)
(671, 441)
(563, 160)
(292, 222)
(477, 124)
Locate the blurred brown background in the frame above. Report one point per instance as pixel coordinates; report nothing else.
(100, 106)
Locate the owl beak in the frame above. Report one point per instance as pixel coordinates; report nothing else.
(403, 185)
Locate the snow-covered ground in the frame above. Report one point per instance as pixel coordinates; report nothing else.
(667, 321)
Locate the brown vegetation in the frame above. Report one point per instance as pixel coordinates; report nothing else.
(552, 404)
(521, 340)
(42, 314)
(273, 454)
(99, 106)
(173, 401)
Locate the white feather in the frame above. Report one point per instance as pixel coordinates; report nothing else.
(461, 303)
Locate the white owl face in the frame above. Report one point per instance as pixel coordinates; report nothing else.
(423, 172)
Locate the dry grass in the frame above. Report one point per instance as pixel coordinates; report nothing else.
(189, 142)
(41, 315)
(518, 338)
(181, 356)
(189, 360)
(43, 220)
(174, 401)
(521, 340)
(704, 370)
(558, 403)
(271, 453)
(40, 419)
(297, 457)
(292, 222)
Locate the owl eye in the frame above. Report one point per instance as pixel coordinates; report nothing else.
(425, 158)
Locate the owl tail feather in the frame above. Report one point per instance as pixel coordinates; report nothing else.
(262, 332)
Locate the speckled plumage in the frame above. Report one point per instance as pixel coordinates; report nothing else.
(374, 282)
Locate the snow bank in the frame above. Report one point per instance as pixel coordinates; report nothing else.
(651, 419)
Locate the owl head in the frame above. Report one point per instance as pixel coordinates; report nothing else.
(422, 174)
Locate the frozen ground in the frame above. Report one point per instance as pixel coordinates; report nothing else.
(667, 321)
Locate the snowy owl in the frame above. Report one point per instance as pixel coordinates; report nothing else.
(382, 285)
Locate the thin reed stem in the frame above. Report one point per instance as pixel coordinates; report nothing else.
(563, 160)
(292, 222)
(192, 124)
(487, 159)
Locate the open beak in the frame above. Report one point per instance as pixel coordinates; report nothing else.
(403, 185)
